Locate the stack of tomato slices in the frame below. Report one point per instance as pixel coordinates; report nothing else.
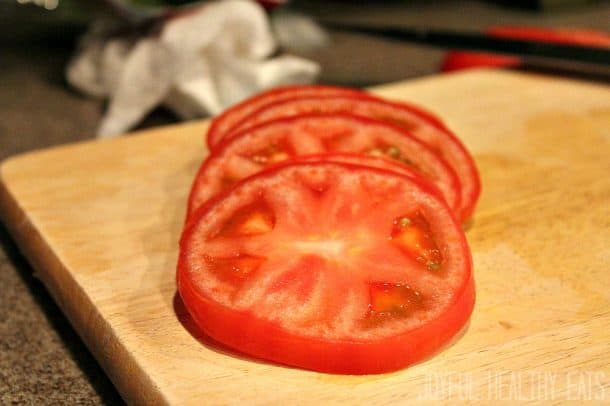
(324, 231)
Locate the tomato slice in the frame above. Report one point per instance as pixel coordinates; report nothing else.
(226, 121)
(278, 140)
(334, 281)
(422, 125)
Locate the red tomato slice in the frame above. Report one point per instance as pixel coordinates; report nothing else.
(278, 140)
(420, 124)
(331, 267)
(225, 122)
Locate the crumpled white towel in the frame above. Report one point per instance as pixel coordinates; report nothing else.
(199, 64)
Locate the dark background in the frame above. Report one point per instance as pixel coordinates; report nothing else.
(42, 359)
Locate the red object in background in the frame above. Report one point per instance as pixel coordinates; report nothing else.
(271, 4)
(456, 60)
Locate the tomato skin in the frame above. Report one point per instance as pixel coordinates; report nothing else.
(247, 333)
(225, 122)
(457, 60)
(239, 330)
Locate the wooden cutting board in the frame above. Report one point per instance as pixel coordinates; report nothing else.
(100, 223)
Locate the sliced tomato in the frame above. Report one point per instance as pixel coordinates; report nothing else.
(306, 134)
(225, 122)
(421, 124)
(354, 269)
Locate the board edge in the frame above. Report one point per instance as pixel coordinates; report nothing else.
(132, 382)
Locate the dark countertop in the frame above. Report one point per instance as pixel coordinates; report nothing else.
(42, 359)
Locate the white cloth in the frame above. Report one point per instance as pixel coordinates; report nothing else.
(199, 64)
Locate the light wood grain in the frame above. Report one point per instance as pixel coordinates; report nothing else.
(100, 222)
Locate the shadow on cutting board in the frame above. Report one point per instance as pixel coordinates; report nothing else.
(189, 325)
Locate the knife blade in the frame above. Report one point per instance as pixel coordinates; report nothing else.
(535, 53)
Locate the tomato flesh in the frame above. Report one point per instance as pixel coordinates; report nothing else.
(315, 134)
(320, 282)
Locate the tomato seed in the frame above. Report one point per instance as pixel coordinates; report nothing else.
(392, 152)
(392, 300)
(252, 219)
(413, 235)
